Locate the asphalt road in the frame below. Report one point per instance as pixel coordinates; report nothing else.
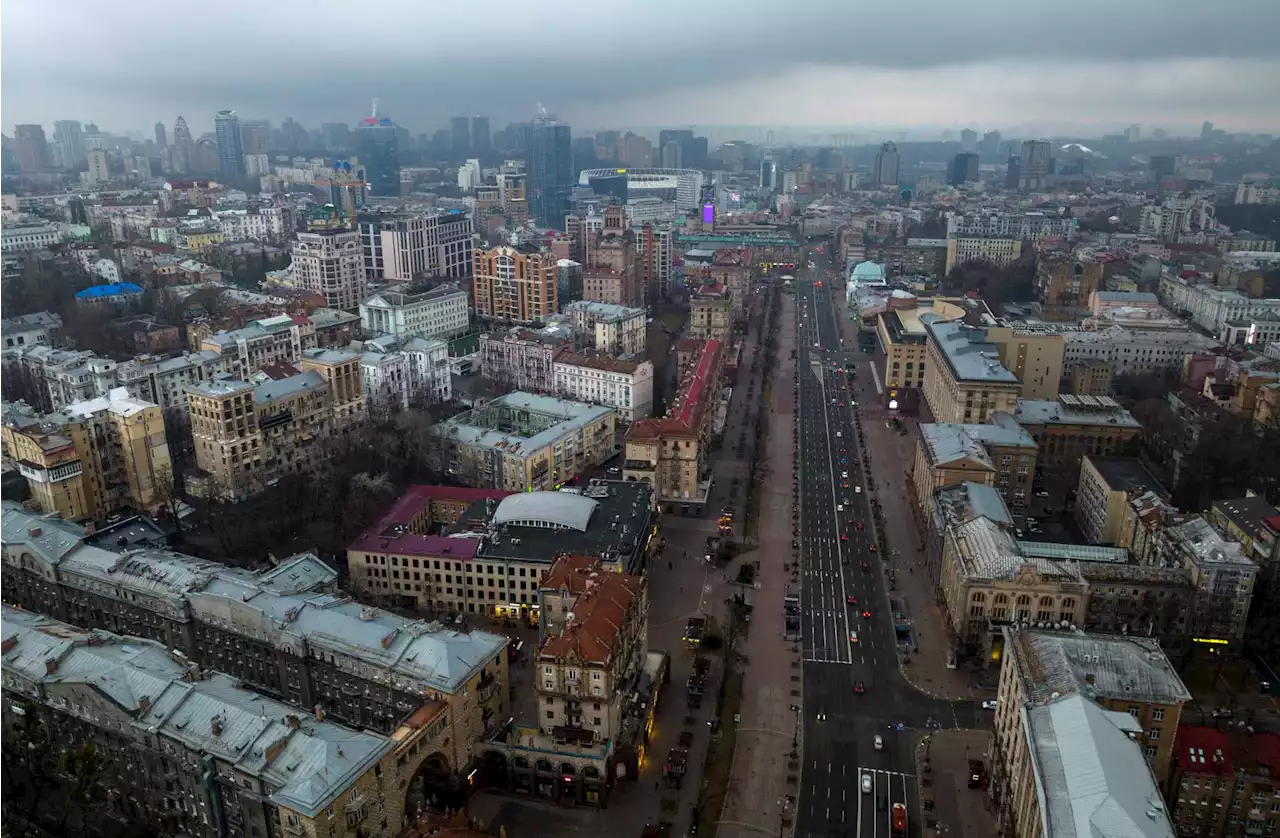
(848, 633)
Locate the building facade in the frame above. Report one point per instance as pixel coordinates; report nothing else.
(626, 386)
(331, 263)
(964, 380)
(514, 284)
(442, 311)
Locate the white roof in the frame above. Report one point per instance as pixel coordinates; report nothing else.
(1092, 779)
(559, 509)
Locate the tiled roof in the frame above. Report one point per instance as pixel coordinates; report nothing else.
(599, 614)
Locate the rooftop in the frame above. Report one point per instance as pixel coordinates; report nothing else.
(1206, 546)
(1092, 777)
(1250, 514)
(1084, 553)
(966, 350)
(1129, 297)
(287, 606)
(1126, 474)
(607, 520)
(395, 532)
(273, 390)
(305, 763)
(603, 312)
(1074, 410)
(601, 600)
(488, 425)
(1095, 665)
(114, 289)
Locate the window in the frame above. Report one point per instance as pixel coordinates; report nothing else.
(1153, 734)
(1150, 751)
(1157, 715)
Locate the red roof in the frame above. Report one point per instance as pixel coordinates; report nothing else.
(1202, 750)
(390, 535)
(682, 417)
(1272, 522)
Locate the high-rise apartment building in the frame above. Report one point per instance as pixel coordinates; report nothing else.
(550, 163)
(412, 247)
(71, 138)
(964, 169)
(991, 143)
(255, 135)
(226, 127)
(672, 155)
(99, 166)
(331, 262)
(886, 171)
(162, 140)
(31, 149)
(182, 146)
(514, 284)
(768, 174)
(1033, 164)
(481, 143)
(378, 147)
(460, 136)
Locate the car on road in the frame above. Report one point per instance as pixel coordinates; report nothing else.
(839, 507)
(858, 689)
(844, 475)
(878, 742)
(839, 435)
(989, 704)
(858, 526)
(844, 537)
(866, 784)
(857, 490)
(866, 615)
(853, 638)
(1041, 494)
(851, 600)
(822, 716)
(866, 568)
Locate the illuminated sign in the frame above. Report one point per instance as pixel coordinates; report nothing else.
(620, 171)
(1211, 641)
(708, 213)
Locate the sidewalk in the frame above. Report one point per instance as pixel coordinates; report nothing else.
(764, 773)
(892, 456)
(942, 767)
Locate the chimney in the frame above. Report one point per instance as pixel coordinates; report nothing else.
(215, 724)
(34, 532)
(293, 721)
(319, 713)
(50, 666)
(144, 704)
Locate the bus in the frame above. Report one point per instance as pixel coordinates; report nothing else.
(899, 819)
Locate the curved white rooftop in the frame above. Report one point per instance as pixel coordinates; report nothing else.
(546, 509)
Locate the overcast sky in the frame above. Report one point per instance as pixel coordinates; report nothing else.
(1084, 66)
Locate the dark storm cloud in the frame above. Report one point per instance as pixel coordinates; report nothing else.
(324, 61)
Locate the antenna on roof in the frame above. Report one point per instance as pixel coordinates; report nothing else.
(374, 112)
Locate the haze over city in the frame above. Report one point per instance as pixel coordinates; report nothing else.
(860, 65)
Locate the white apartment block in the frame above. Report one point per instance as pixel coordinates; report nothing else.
(386, 379)
(272, 340)
(1175, 216)
(15, 239)
(429, 373)
(415, 372)
(61, 376)
(1257, 193)
(331, 263)
(626, 386)
(264, 224)
(997, 251)
(443, 311)
(1134, 351)
(1211, 307)
(1031, 225)
(618, 330)
(163, 382)
(438, 244)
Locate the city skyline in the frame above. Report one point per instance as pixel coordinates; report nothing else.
(990, 69)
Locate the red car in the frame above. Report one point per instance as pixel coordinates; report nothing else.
(866, 568)
(873, 548)
(859, 527)
(866, 615)
(858, 689)
(851, 600)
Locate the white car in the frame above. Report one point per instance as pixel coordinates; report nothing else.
(857, 490)
(866, 784)
(839, 507)
(844, 475)
(878, 742)
(989, 704)
(839, 435)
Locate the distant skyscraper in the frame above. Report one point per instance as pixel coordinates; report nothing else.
(991, 143)
(31, 148)
(550, 166)
(99, 166)
(378, 148)
(337, 136)
(968, 139)
(69, 135)
(768, 174)
(672, 156)
(460, 129)
(1162, 166)
(1033, 164)
(254, 136)
(1133, 133)
(1206, 130)
(886, 173)
(964, 168)
(230, 145)
(181, 146)
(480, 141)
(161, 138)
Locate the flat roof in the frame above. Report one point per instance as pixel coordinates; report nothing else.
(968, 353)
(569, 416)
(617, 529)
(1074, 410)
(1073, 552)
(1126, 474)
(1250, 514)
(1095, 665)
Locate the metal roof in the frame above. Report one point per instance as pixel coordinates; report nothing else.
(558, 509)
(1093, 781)
(967, 351)
(1126, 667)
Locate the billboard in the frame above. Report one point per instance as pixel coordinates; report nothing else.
(708, 213)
